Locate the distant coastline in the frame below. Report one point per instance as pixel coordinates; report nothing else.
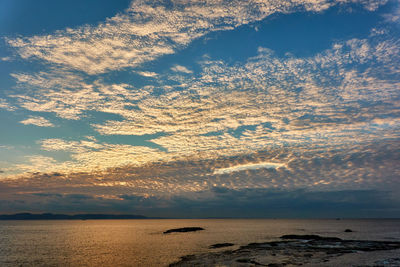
(51, 216)
(100, 216)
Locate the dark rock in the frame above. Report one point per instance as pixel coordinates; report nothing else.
(316, 250)
(388, 262)
(249, 261)
(348, 231)
(221, 245)
(311, 237)
(183, 230)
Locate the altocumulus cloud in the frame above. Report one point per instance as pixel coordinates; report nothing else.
(270, 133)
(38, 121)
(252, 166)
(148, 30)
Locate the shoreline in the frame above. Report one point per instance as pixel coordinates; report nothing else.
(300, 250)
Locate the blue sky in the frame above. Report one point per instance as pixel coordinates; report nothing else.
(176, 108)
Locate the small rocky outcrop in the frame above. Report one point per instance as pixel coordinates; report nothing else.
(311, 237)
(348, 231)
(183, 230)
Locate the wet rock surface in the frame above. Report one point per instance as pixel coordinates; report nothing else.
(291, 250)
(183, 230)
(222, 245)
(311, 237)
(388, 262)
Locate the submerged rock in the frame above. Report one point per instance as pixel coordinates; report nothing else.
(348, 231)
(183, 230)
(310, 237)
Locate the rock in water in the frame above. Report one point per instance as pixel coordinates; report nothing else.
(183, 230)
(311, 237)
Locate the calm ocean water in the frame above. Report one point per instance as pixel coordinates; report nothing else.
(142, 242)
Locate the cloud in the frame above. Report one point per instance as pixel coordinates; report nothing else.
(218, 202)
(325, 100)
(394, 15)
(94, 156)
(372, 5)
(331, 118)
(117, 169)
(36, 163)
(148, 30)
(147, 73)
(253, 166)
(38, 121)
(5, 105)
(69, 95)
(179, 68)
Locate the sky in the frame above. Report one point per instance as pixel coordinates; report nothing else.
(203, 108)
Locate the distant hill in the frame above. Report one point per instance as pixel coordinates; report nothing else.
(51, 216)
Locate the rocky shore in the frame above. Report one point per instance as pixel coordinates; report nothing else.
(302, 250)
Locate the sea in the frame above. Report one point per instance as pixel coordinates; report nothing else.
(142, 242)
